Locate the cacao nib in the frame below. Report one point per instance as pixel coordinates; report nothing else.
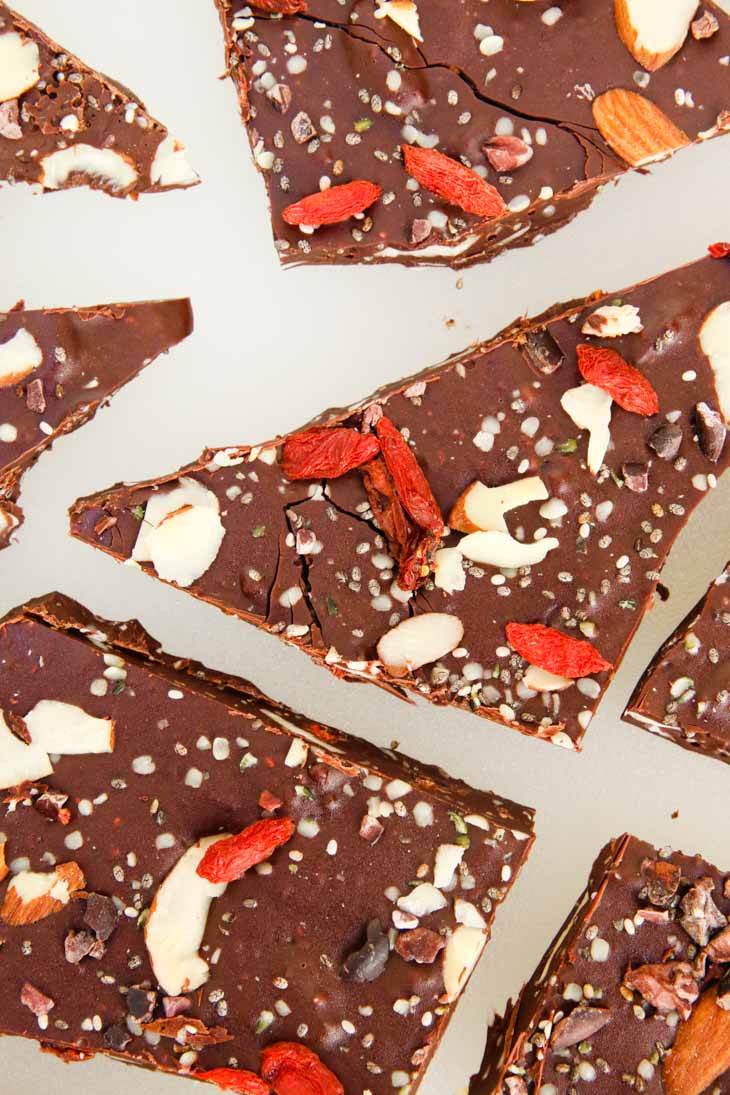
(101, 915)
(711, 431)
(661, 880)
(369, 961)
(419, 945)
(701, 916)
(542, 351)
(670, 986)
(666, 441)
(580, 1025)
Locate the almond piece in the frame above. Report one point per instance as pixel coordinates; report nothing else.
(19, 357)
(20, 762)
(653, 30)
(181, 532)
(481, 508)
(32, 896)
(715, 344)
(501, 550)
(461, 955)
(403, 13)
(19, 65)
(590, 409)
(67, 730)
(419, 640)
(701, 1052)
(637, 130)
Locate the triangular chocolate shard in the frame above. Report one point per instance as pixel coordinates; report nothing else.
(561, 501)
(58, 366)
(62, 124)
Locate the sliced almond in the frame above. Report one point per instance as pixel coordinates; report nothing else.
(19, 65)
(613, 320)
(170, 166)
(67, 730)
(715, 343)
(653, 30)
(499, 549)
(701, 1051)
(448, 570)
(542, 680)
(637, 130)
(422, 901)
(461, 955)
(403, 13)
(19, 357)
(20, 762)
(181, 532)
(448, 858)
(590, 409)
(419, 640)
(115, 171)
(32, 896)
(176, 924)
(482, 508)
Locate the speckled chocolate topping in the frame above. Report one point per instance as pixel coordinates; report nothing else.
(331, 93)
(628, 989)
(58, 366)
(684, 694)
(306, 559)
(62, 124)
(196, 754)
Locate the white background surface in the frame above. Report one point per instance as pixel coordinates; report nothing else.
(270, 350)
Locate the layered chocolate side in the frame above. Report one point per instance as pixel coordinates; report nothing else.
(633, 993)
(59, 365)
(520, 114)
(349, 933)
(684, 694)
(62, 124)
(433, 600)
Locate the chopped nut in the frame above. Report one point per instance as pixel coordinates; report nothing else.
(701, 915)
(705, 26)
(420, 945)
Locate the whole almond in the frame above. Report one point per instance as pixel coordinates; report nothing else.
(637, 130)
(701, 1052)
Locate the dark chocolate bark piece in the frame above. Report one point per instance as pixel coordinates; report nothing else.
(59, 365)
(684, 693)
(62, 124)
(336, 565)
(625, 997)
(160, 758)
(543, 102)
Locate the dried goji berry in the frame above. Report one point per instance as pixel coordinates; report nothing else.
(229, 859)
(323, 453)
(293, 1069)
(719, 250)
(235, 1079)
(281, 7)
(453, 182)
(606, 369)
(552, 650)
(414, 568)
(410, 483)
(337, 203)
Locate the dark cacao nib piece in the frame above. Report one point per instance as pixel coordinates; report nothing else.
(636, 477)
(141, 1003)
(302, 129)
(670, 986)
(542, 351)
(369, 961)
(117, 1038)
(419, 945)
(661, 880)
(280, 97)
(101, 915)
(173, 1006)
(52, 804)
(371, 829)
(35, 1000)
(701, 917)
(18, 726)
(420, 230)
(35, 398)
(78, 945)
(711, 431)
(666, 441)
(582, 1023)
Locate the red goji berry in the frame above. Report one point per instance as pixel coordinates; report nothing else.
(338, 203)
(453, 182)
(229, 859)
(281, 7)
(414, 568)
(410, 483)
(293, 1069)
(323, 453)
(719, 250)
(552, 650)
(606, 369)
(235, 1079)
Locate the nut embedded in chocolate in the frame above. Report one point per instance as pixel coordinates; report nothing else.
(541, 350)
(579, 1026)
(79, 945)
(700, 915)
(667, 986)
(419, 945)
(302, 128)
(705, 26)
(661, 880)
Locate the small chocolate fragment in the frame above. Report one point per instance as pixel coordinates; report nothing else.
(541, 350)
(117, 1038)
(711, 431)
(141, 1003)
(701, 916)
(661, 879)
(636, 477)
(580, 1025)
(369, 962)
(52, 804)
(101, 915)
(666, 441)
(419, 945)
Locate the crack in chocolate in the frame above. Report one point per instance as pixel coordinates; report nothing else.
(304, 582)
